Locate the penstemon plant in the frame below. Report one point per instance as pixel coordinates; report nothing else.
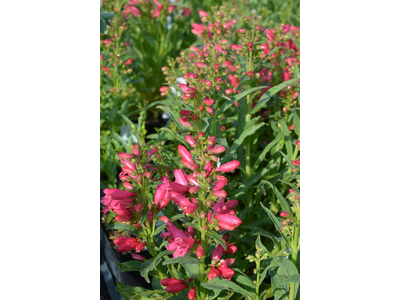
(203, 212)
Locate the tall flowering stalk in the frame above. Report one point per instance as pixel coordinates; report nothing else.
(199, 193)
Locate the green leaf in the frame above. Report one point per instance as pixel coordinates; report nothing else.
(223, 284)
(182, 260)
(284, 204)
(132, 126)
(267, 294)
(272, 91)
(158, 258)
(249, 129)
(145, 268)
(279, 288)
(176, 136)
(133, 265)
(245, 280)
(260, 247)
(252, 180)
(217, 238)
(263, 275)
(136, 292)
(159, 229)
(192, 270)
(293, 278)
(262, 155)
(178, 217)
(281, 272)
(238, 97)
(287, 160)
(111, 215)
(121, 226)
(174, 116)
(277, 224)
(103, 25)
(296, 122)
(107, 15)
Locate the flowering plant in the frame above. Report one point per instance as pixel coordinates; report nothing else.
(204, 195)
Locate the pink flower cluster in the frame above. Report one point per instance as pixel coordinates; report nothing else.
(121, 203)
(135, 169)
(153, 7)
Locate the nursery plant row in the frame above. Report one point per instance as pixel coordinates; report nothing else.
(200, 149)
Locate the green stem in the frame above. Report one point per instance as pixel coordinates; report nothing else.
(258, 279)
(295, 242)
(248, 144)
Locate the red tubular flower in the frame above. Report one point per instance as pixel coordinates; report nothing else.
(219, 185)
(176, 288)
(234, 80)
(164, 90)
(135, 150)
(190, 166)
(190, 141)
(270, 35)
(164, 219)
(193, 189)
(225, 272)
(217, 253)
(180, 177)
(171, 281)
(185, 154)
(230, 248)
(201, 65)
(137, 257)
(118, 194)
(284, 214)
(193, 180)
(236, 47)
(160, 193)
(296, 162)
(128, 186)
(220, 194)
(185, 122)
(202, 13)
(199, 252)
(227, 221)
(218, 149)
(208, 102)
(181, 241)
(123, 215)
(179, 187)
(192, 294)
(230, 166)
(184, 203)
(212, 274)
(126, 244)
(185, 113)
(198, 29)
(125, 156)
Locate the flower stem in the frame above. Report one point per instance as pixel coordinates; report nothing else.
(248, 144)
(295, 242)
(258, 279)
